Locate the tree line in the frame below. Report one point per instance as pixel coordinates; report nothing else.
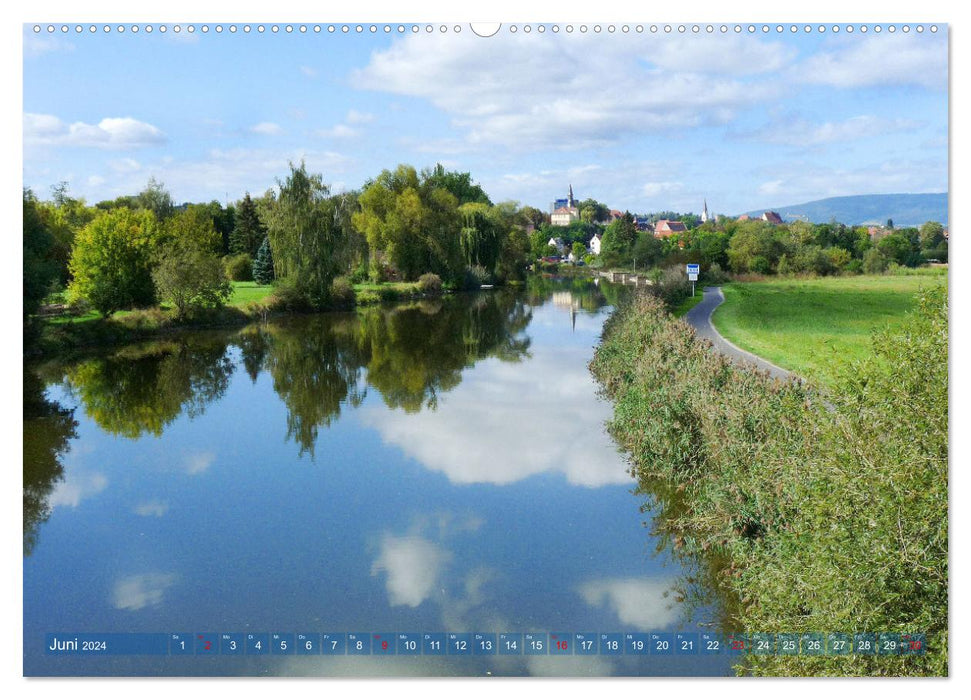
(752, 246)
(140, 250)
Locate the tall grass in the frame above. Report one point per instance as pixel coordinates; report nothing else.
(814, 518)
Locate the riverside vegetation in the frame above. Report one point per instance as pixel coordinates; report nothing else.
(811, 515)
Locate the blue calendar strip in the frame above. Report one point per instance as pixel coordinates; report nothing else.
(557, 643)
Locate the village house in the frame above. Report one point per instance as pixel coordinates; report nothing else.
(665, 227)
(558, 244)
(565, 212)
(772, 217)
(595, 242)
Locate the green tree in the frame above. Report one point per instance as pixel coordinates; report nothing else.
(874, 262)
(931, 235)
(755, 247)
(248, 232)
(618, 240)
(191, 279)
(514, 255)
(459, 184)
(65, 216)
(896, 247)
(308, 231)
(411, 224)
(263, 264)
(156, 199)
(40, 269)
(112, 261)
(193, 227)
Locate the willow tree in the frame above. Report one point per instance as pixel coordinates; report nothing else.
(309, 232)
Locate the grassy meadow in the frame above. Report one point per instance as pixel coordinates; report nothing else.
(815, 326)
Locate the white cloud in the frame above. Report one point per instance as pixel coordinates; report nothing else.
(198, 462)
(338, 131)
(654, 189)
(109, 133)
(141, 590)
(77, 486)
(151, 509)
(239, 170)
(125, 165)
(891, 59)
(720, 55)
(95, 181)
(793, 131)
(355, 117)
(266, 128)
(569, 91)
(38, 45)
(638, 603)
(803, 181)
(495, 429)
(412, 566)
(308, 71)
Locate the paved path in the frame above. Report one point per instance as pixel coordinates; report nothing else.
(700, 319)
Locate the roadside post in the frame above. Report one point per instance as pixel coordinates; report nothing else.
(693, 270)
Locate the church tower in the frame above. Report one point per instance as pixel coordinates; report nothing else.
(570, 202)
(704, 212)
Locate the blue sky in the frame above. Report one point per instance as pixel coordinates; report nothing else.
(639, 121)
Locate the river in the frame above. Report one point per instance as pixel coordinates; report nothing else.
(434, 467)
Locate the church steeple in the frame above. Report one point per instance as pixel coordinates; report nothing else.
(704, 212)
(570, 202)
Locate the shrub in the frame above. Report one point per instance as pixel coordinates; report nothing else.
(796, 507)
(874, 262)
(342, 293)
(286, 297)
(430, 283)
(476, 276)
(239, 268)
(715, 274)
(761, 265)
(191, 279)
(853, 267)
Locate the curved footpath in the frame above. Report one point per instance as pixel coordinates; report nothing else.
(699, 318)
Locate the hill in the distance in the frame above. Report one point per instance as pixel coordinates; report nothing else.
(904, 209)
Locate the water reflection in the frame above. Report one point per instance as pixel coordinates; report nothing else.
(141, 389)
(411, 354)
(469, 486)
(48, 430)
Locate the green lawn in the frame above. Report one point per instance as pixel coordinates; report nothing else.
(815, 326)
(245, 292)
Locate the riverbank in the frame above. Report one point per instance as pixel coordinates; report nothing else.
(815, 326)
(822, 519)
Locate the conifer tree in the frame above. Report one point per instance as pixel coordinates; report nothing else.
(263, 264)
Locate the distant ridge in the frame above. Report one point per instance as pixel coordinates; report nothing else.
(904, 209)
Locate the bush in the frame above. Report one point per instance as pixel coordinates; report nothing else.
(796, 507)
(430, 283)
(853, 267)
(874, 262)
(761, 265)
(715, 274)
(342, 293)
(286, 297)
(238, 268)
(476, 276)
(191, 279)
(671, 285)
